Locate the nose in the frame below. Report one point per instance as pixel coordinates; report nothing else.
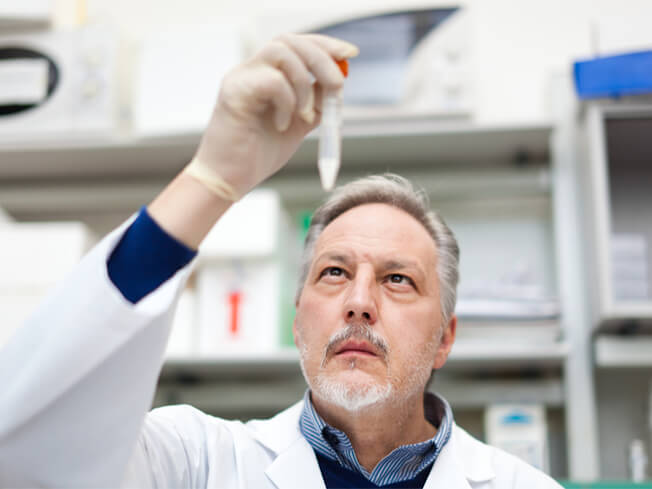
(360, 303)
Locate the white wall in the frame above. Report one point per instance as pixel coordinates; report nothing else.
(518, 44)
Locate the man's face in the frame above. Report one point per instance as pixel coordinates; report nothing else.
(368, 320)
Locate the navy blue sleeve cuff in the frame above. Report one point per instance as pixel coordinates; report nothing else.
(145, 258)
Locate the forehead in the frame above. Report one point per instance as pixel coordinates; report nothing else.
(378, 229)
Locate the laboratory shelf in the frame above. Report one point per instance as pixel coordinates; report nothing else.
(466, 354)
(508, 343)
(299, 189)
(279, 362)
(413, 140)
(473, 392)
(607, 485)
(623, 351)
(627, 317)
(235, 396)
(273, 393)
(491, 353)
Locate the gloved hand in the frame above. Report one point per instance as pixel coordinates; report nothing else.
(267, 105)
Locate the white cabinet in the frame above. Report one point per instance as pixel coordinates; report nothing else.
(610, 145)
(34, 257)
(620, 171)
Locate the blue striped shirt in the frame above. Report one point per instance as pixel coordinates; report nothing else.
(403, 463)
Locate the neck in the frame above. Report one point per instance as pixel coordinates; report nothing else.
(376, 430)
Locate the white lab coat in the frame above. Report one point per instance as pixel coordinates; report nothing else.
(77, 382)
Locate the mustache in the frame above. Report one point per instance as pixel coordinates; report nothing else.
(358, 331)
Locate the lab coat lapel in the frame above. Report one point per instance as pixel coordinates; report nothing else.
(296, 468)
(447, 470)
(295, 464)
(461, 460)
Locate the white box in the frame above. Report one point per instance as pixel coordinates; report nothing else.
(181, 343)
(631, 290)
(519, 429)
(34, 257)
(82, 100)
(239, 307)
(243, 290)
(252, 227)
(629, 270)
(179, 75)
(629, 267)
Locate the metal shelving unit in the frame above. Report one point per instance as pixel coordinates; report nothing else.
(466, 354)
(421, 141)
(481, 172)
(617, 351)
(620, 175)
(604, 155)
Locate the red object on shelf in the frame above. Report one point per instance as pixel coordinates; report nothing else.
(235, 299)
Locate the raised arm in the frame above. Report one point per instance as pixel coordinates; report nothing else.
(78, 378)
(265, 108)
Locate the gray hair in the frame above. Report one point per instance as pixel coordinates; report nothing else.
(398, 192)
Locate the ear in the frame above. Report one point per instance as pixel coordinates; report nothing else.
(446, 343)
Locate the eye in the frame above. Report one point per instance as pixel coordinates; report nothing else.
(397, 278)
(331, 272)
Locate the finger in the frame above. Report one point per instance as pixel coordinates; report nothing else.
(319, 98)
(281, 56)
(337, 48)
(308, 111)
(275, 89)
(318, 61)
(316, 110)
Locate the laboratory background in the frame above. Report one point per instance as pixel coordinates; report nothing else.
(528, 123)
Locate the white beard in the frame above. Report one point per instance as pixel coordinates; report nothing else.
(353, 396)
(350, 396)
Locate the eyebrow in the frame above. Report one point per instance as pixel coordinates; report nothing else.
(336, 257)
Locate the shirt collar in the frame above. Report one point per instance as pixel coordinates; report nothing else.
(403, 463)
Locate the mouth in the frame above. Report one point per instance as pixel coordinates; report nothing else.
(359, 348)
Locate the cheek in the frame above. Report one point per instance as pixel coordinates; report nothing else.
(414, 335)
(309, 338)
(310, 304)
(313, 313)
(406, 347)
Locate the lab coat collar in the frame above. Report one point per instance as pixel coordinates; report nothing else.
(279, 432)
(295, 465)
(462, 460)
(475, 456)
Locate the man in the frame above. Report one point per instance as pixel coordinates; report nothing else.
(374, 317)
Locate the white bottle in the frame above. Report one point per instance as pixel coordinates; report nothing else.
(649, 418)
(637, 460)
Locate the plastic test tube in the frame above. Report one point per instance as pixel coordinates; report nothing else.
(330, 138)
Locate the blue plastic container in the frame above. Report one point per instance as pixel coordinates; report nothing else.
(614, 76)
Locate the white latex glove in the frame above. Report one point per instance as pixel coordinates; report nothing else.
(267, 105)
